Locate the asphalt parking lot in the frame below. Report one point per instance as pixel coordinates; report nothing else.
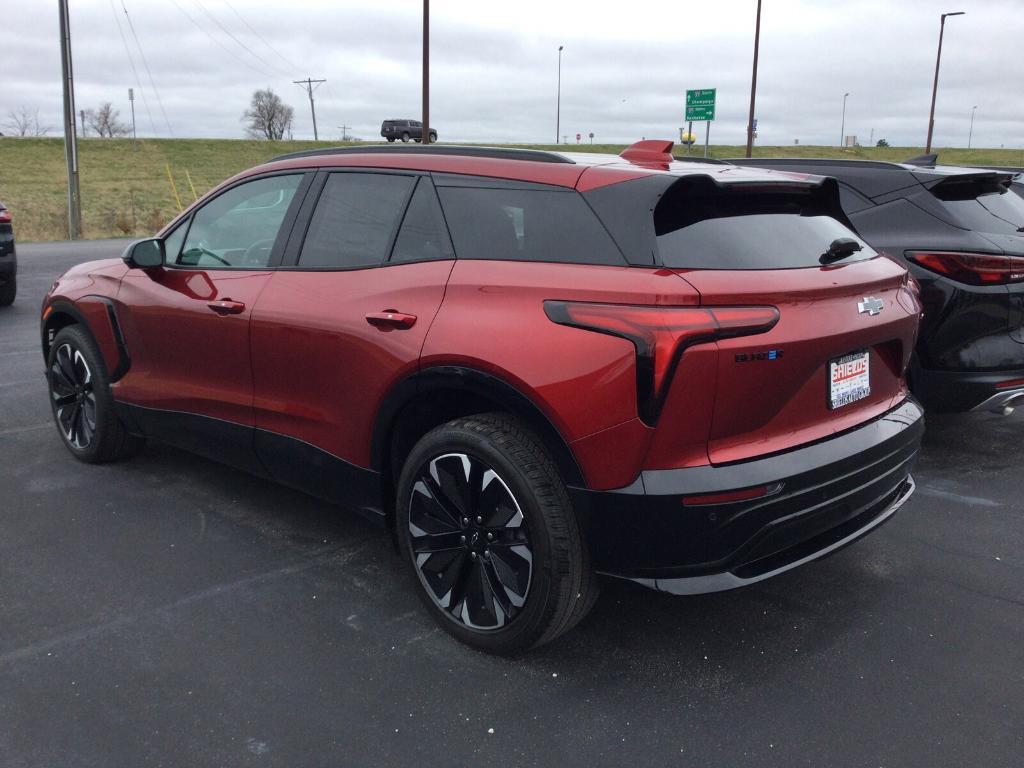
(169, 611)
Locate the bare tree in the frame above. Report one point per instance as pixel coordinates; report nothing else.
(104, 121)
(267, 116)
(25, 122)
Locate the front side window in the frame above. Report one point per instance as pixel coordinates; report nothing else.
(173, 242)
(238, 228)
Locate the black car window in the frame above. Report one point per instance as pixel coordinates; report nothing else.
(995, 212)
(174, 241)
(238, 228)
(355, 220)
(423, 235)
(707, 228)
(526, 225)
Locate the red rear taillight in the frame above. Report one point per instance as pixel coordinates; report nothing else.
(729, 497)
(972, 268)
(5, 216)
(660, 334)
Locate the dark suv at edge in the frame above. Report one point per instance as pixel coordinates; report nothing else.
(960, 231)
(533, 367)
(8, 259)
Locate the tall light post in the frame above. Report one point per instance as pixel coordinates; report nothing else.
(971, 132)
(425, 131)
(753, 83)
(935, 83)
(842, 129)
(558, 100)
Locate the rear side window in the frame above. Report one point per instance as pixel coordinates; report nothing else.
(707, 228)
(355, 220)
(423, 236)
(512, 224)
(984, 206)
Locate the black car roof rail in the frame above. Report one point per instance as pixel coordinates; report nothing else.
(497, 153)
(704, 160)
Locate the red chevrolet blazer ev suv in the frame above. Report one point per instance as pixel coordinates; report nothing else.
(533, 367)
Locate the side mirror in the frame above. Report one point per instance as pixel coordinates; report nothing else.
(145, 254)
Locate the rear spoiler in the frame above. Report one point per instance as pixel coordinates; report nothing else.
(967, 186)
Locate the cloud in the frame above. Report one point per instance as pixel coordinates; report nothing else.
(494, 67)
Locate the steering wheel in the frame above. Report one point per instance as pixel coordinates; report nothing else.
(201, 247)
(256, 255)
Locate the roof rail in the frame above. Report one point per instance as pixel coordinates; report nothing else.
(497, 153)
(704, 160)
(811, 161)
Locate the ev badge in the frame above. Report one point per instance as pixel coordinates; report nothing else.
(870, 306)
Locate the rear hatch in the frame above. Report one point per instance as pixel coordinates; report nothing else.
(837, 354)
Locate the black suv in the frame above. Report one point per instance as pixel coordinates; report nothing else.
(405, 130)
(961, 233)
(8, 261)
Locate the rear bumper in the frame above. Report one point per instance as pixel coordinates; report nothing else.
(833, 492)
(957, 391)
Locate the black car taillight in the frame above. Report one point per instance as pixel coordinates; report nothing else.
(972, 268)
(660, 334)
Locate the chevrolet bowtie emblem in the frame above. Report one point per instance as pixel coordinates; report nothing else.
(870, 305)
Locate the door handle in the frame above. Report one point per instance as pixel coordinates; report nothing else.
(390, 318)
(226, 307)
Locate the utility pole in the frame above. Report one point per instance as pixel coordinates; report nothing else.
(311, 85)
(842, 128)
(935, 83)
(425, 133)
(131, 100)
(558, 99)
(344, 131)
(753, 85)
(70, 139)
(971, 134)
(81, 116)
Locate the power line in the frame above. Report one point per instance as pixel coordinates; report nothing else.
(228, 32)
(235, 56)
(131, 62)
(262, 39)
(145, 63)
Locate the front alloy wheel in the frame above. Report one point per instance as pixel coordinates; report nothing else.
(470, 542)
(74, 402)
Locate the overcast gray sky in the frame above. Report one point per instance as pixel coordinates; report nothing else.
(625, 67)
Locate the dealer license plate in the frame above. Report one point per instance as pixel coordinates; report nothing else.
(849, 379)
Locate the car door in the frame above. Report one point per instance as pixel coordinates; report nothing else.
(186, 325)
(341, 322)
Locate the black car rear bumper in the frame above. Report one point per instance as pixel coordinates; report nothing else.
(833, 492)
(956, 391)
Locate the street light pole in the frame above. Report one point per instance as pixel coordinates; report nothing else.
(842, 130)
(753, 83)
(558, 101)
(425, 134)
(970, 135)
(935, 83)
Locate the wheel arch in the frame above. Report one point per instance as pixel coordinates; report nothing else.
(435, 396)
(87, 313)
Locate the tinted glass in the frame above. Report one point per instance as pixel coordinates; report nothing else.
(238, 228)
(526, 225)
(740, 230)
(173, 242)
(423, 235)
(997, 212)
(355, 220)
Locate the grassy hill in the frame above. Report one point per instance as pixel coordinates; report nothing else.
(126, 192)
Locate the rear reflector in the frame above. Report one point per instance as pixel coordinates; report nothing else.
(660, 334)
(1011, 384)
(727, 497)
(973, 268)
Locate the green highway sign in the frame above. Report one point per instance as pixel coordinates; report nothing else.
(700, 105)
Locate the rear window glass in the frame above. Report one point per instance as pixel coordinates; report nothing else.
(746, 230)
(526, 225)
(997, 212)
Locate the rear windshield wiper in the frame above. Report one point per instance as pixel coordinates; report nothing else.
(839, 250)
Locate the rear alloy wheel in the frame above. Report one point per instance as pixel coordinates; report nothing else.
(83, 408)
(405, 137)
(486, 524)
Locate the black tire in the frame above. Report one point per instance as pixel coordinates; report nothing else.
(405, 138)
(433, 138)
(391, 139)
(526, 526)
(8, 291)
(83, 408)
